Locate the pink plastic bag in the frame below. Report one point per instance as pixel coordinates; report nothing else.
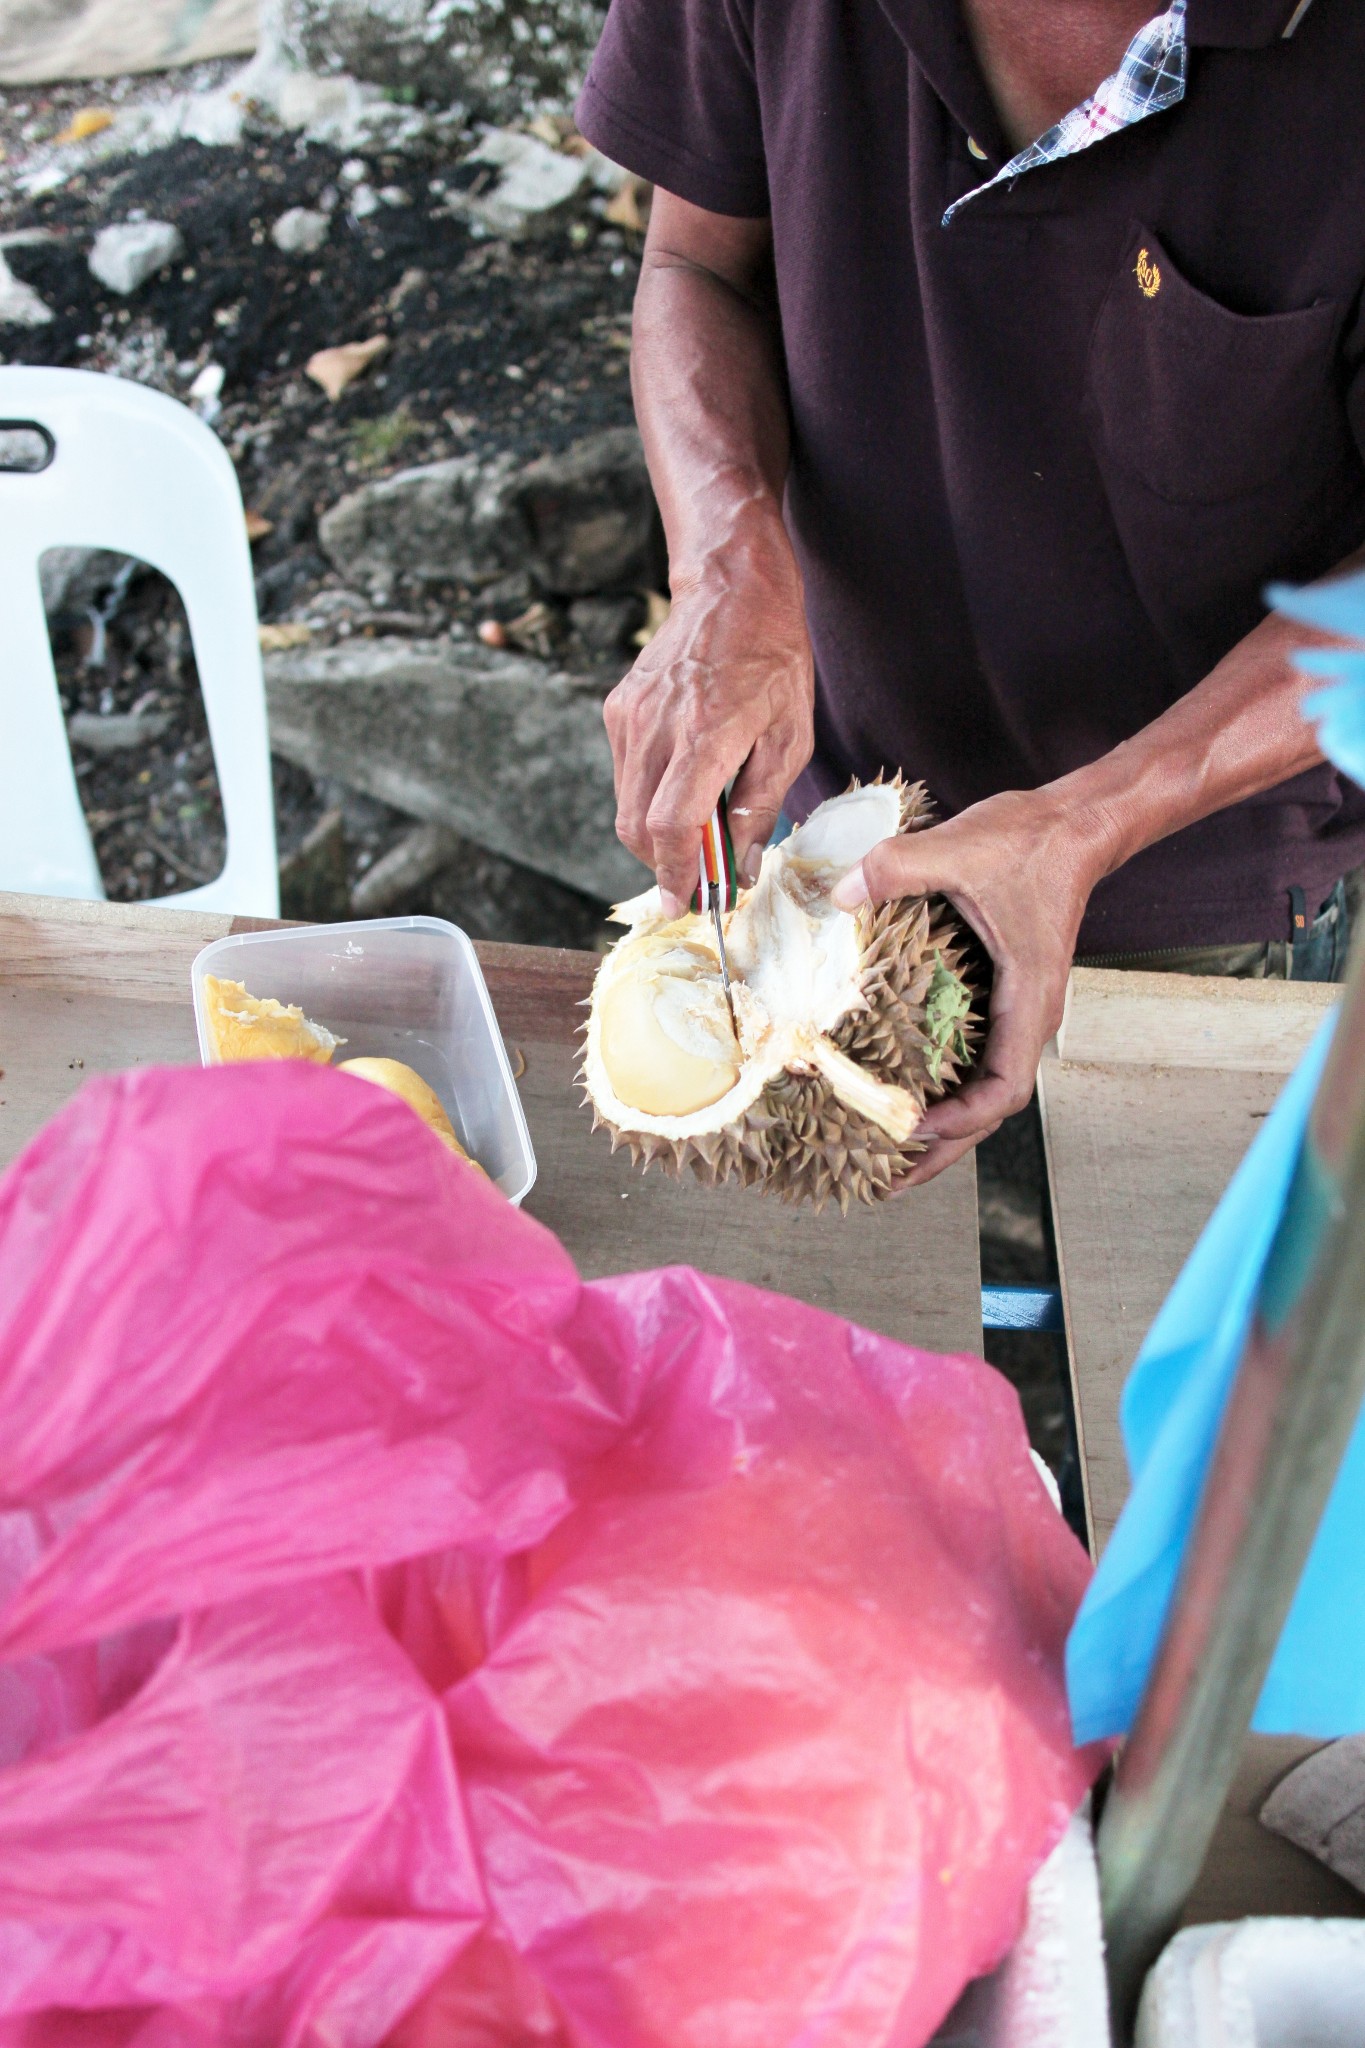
(402, 1642)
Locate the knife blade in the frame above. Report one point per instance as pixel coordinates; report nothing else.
(718, 889)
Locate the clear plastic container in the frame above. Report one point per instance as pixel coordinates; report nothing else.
(405, 988)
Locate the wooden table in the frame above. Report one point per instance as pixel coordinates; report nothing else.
(1150, 1097)
(85, 986)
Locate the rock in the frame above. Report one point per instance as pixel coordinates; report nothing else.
(492, 898)
(505, 751)
(433, 872)
(216, 119)
(399, 873)
(118, 732)
(206, 392)
(514, 185)
(495, 58)
(606, 625)
(446, 522)
(590, 514)
(511, 593)
(313, 879)
(20, 305)
(603, 175)
(578, 522)
(339, 111)
(126, 255)
(301, 231)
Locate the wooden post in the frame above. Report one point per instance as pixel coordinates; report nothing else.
(1289, 1418)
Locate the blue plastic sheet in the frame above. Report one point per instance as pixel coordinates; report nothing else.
(1174, 1398)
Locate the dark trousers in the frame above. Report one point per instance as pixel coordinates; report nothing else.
(1317, 953)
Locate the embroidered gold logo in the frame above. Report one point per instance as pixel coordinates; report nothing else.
(1148, 275)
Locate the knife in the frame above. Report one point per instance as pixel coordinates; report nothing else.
(718, 888)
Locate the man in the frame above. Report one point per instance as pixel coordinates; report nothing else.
(990, 357)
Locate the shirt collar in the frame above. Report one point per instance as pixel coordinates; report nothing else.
(935, 34)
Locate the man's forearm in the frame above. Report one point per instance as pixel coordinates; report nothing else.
(709, 390)
(724, 692)
(1235, 734)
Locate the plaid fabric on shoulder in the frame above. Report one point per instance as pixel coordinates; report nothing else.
(1150, 78)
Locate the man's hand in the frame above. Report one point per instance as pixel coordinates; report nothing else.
(725, 687)
(1020, 868)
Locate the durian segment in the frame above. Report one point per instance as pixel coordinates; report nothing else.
(892, 1109)
(667, 1043)
(245, 1027)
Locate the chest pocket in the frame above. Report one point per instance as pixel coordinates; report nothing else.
(1199, 404)
(1224, 449)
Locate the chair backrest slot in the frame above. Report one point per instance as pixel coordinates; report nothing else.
(26, 448)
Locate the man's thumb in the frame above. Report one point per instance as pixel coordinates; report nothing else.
(883, 872)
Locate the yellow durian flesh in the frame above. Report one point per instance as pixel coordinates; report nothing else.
(666, 1038)
(407, 1084)
(246, 1027)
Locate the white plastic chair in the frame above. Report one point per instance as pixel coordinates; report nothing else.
(137, 473)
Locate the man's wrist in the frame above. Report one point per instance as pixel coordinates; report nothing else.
(742, 538)
(1078, 811)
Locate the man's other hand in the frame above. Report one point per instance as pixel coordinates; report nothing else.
(1020, 868)
(726, 687)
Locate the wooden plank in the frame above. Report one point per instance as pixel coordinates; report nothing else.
(1137, 1159)
(1114, 1018)
(1143, 1135)
(1249, 1869)
(129, 951)
(85, 987)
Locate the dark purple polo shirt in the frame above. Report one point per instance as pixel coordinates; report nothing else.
(1034, 503)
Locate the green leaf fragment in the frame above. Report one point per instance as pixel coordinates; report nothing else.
(946, 1009)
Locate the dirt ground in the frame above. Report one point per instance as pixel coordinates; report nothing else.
(492, 346)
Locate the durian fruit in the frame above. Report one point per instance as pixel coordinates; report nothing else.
(407, 1084)
(245, 1027)
(844, 1026)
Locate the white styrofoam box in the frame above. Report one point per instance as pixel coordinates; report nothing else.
(1269, 1983)
(399, 988)
(1050, 1991)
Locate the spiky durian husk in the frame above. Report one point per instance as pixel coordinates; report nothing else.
(799, 1141)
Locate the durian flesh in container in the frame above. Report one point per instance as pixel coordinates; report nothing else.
(846, 1023)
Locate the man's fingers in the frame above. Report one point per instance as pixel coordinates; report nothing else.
(938, 1156)
(683, 802)
(638, 784)
(756, 802)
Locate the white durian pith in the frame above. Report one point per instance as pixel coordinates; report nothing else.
(838, 1037)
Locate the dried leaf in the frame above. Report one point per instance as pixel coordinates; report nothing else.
(258, 526)
(629, 206)
(89, 121)
(657, 608)
(274, 639)
(334, 368)
(557, 130)
(539, 630)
